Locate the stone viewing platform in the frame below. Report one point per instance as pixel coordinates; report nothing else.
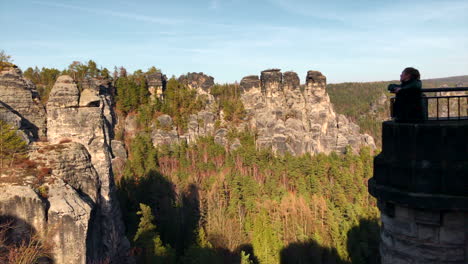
(421, 184)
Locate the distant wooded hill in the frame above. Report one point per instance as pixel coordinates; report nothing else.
(449, 81)
(367, 104)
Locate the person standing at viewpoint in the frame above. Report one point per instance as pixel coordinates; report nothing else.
(408, 106)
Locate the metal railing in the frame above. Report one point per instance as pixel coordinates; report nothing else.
(440, 106)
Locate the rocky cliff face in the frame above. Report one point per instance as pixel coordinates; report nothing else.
(200, 82)
(156, 84)
(19, 104)
(287, 117)
(70, 197)
(59, 201)
(87, 118)
(295, 119)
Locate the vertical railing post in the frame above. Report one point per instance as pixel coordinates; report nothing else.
(448, 108)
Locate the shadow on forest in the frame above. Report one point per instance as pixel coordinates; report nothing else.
(178, 216)
(362, 246)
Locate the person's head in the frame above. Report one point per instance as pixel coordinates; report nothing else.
(409, 74)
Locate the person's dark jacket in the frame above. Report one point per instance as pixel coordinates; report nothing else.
(409, 106)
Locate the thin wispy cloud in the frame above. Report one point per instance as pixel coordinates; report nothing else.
(347, 40)
(106, 12)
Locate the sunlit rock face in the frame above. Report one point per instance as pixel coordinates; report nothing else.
(297, 120)
(19, 104)
(286, 116)
(61, 205)
(156, 85)
(200, 82)
(88, 119)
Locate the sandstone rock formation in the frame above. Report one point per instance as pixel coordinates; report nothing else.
(19, 104)
(290, 119)
(61, 204)
(287, 117)
(91, 126)
(200, 82)
(156, 84)
(71, 200)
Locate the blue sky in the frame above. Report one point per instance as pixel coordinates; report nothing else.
(228, 39)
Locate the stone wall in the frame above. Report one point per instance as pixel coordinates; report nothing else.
(423, 236)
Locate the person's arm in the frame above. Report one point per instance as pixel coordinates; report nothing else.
(393, 87)
(417, 85)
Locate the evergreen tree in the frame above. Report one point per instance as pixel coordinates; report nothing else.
(148, 239)
(12, 145)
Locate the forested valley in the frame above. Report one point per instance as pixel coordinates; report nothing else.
(200, 202)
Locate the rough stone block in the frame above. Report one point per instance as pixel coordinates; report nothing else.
(428, 233)
(428, 217)
(399, 227)
(455, 219)
(453, 236)
(404, 213)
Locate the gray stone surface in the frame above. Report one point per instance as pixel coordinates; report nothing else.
(91, 127)
(197, 81)
(70, 162)
(285, 117)
(130, 125)
(165, 121)
(250, 82)
(405, 239)
(118, 149)
(200, 82)
(156, 84)
(90, 97)
(61, 207)
(18, 99)
(65, 93)
(290, 120)
(71, 216)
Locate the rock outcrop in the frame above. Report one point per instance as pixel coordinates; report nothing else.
(70, 197)
(91, 125)
(291, 119)
(59, 201)
(156, 84)
(200, 82)
(287, 117)
(19, 104)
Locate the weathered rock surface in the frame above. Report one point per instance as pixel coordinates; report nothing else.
(65, 93)
(200, 82)
(91, 126)
(118, 149)
(291, 120)
(286, 116)
(90, 97)
(61, 205)
(197, 81)
(19, 104)
(130, 125)
(156, 84)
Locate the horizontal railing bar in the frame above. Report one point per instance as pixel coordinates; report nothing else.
(447, 89)
(448, 96)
